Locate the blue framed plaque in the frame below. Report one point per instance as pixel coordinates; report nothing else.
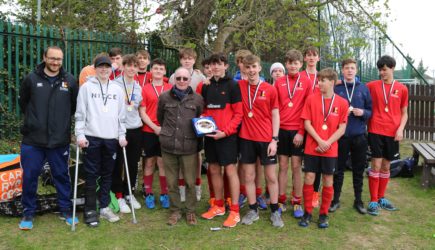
(204, 125)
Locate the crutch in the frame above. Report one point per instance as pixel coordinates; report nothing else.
(129, 185)
(73, 226)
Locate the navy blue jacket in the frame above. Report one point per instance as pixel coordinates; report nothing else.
(361, 99)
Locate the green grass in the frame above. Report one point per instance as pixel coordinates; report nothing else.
(412, 227)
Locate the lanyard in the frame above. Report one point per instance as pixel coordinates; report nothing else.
(325, 117)
(251, 103)
(155, 90)
(129, 96)
(349, 97)
(144, 79)
(386, 99)
(292, 93)
(102, 93)
(314, 81)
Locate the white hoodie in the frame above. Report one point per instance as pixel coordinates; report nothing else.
(93, 118)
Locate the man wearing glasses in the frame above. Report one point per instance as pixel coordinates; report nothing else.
(175, 111)
(47, 99)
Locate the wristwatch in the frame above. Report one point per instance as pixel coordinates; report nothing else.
(275, 138)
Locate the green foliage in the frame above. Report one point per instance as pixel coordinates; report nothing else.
(9, 132)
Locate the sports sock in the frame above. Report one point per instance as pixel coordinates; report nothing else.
(253, 206)
(274, 207)
(373, 185)
(327, 194)
(384, 177)
(219, 203)
(282, 198)
(163, 185)
(296, 200)
(243, 190)
(235, 208)
(118, 195)
(198, 182)
(210, 185)
(258, 191)
(148, 183)
(181, 182)
(308, 191)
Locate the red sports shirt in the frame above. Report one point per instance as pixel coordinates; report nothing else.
(143, 78)
(314, 81)
(381, 122)
(259, 127)
(313, 112)
(290, 117)
(150, 102)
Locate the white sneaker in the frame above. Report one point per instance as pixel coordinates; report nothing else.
(182, 193)
(123, 207)
(107, 213)
(133, 201)
(198, 192)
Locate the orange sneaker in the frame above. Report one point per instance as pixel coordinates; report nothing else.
(213, 212)
(316, 199)
(211, 202)
(232, 219)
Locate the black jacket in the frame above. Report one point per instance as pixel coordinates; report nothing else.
(47, 108)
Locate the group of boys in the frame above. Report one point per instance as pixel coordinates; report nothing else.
(301, 116)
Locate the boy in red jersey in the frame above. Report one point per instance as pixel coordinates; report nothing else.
(259, 137)
(115, 55)
(325, 117)
(223, 103)
(389, 117)
(151, 130)
(293, 89)
(143, 76)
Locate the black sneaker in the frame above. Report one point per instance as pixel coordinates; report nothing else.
(305, 220)
(334, 206)
(91, 218)
(323, 221)
(359, 207)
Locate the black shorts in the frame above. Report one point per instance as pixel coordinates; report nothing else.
(150, 145)
(286, 146)
(251, 150)
(319, 164)
(223, 151)
(383, 146)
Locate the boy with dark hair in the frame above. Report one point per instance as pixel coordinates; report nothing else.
(151, 131)
(259, 137)
(143, 60)
(206, 67)
(115, 55)
(222, 102)
(293, 89)
(133, 98)
(187, 58)
(354, 140)
(325, 117)
(389, 117)
(100, 126)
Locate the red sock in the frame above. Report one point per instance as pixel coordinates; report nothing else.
(210, 185)
(373, 185)
(163, 185)
(148, 183)
(235, 208)
(308, 191)
(296, 200)
(219, 203)
(243, 189)
(227, 190)
(258, 191)
(118, 195)
(384, 177)
(181, 182)
(198, 182)
(327, 193)
(282, 198)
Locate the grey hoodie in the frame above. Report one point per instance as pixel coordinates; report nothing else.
(132, 118)
(93, 118)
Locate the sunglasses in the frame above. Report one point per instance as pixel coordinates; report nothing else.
(179, 78)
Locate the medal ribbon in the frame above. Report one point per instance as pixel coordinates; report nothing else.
(386, 99)
(155, 90)
(129, 96)
(144, 79)
(292, 94)
(330, 108)
(315, 79)
(251, 103)
(102, 93)
(349, 98)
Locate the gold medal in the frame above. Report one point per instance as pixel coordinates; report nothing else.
(324, 126)
(290, 104)
(130, 108)
(250, 114)
(105, 109)
(386, 109)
